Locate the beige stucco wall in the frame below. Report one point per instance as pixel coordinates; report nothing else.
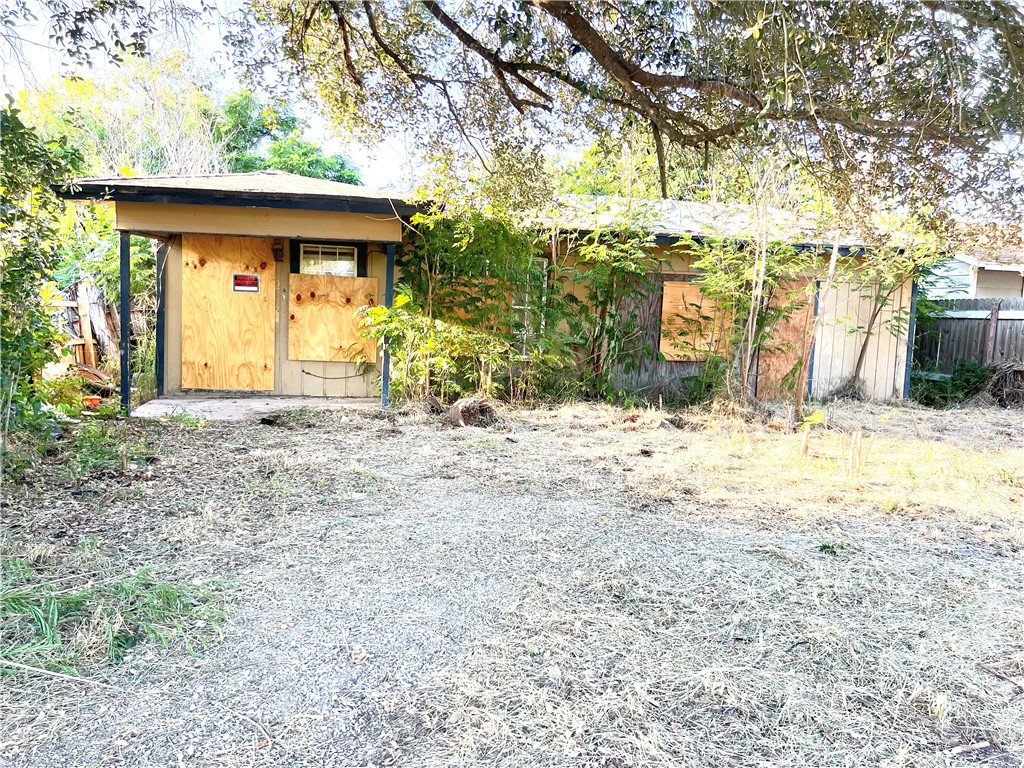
(993, 284)
(256, 222)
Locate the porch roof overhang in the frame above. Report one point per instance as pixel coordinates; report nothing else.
(261, 189)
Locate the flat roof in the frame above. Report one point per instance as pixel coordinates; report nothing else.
(259, 189)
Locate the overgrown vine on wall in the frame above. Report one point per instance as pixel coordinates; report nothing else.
(487, 305)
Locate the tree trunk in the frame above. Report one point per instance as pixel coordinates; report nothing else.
(880, 301)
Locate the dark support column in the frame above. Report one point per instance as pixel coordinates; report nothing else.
(126, 319)
(389, 297)
(911, 333)
(810, 363)
(161, 263)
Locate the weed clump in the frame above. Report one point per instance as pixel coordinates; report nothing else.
(79, 610)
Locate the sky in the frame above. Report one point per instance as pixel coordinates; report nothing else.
(36, 60)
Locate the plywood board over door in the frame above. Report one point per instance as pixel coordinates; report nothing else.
(227, 336)
(692, 328)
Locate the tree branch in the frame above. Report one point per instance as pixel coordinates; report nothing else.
(628, 74)
(500, 66)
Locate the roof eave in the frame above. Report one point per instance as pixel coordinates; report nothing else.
(181, 196)
(993, 266)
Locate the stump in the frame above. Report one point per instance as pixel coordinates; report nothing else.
(473, 412)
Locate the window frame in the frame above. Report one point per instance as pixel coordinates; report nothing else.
(295, 253)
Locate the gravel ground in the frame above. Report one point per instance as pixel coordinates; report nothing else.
(575, 587)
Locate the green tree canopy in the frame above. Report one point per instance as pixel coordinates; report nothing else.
(257, 136)
(916, 103)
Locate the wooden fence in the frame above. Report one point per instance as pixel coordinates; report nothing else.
(971, 330)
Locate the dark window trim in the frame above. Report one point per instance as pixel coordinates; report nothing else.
(362, 253)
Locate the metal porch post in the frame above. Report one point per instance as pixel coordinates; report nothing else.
(911, 333)
(161, 263)
(126, 320)
(389, 295)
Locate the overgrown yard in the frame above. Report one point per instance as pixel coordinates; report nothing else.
(581, 586)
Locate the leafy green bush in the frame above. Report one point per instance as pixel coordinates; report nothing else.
(65, 393)
(449, 360)
(966, 381)
(487, 310)
(28, 256)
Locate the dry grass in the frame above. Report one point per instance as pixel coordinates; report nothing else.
(865, 460)
(583, 586)
(761, 656)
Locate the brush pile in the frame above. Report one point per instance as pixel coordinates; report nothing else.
(1006, 386)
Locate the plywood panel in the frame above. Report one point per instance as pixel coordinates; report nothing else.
(227, 337)
(692, 328)
(322, 318)
(780, 360)
(257, 222)
(341, 379)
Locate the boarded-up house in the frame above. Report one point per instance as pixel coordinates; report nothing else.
(676, 310)
(260, 276)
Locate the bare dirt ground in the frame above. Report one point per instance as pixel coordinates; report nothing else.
(576, 587)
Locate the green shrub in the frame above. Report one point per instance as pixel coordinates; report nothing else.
(966, 381)
(66, 394)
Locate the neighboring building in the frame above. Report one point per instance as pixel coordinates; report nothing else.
(978, 276)
(260, 276)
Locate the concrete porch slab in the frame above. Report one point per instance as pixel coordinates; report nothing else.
(214, 408)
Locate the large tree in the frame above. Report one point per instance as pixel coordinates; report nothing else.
(908, 101)
(900, 101)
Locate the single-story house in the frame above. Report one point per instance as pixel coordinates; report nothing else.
(979, 275)
(259, 276)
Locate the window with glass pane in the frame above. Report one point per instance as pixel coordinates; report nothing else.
(324, 259)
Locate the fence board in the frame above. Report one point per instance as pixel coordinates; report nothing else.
(960, 337)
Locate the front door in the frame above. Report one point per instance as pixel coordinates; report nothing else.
(227, 313)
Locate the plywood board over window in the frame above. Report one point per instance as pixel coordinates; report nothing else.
(692, 327)
(322, 318)
(781, 359)
(227, 336)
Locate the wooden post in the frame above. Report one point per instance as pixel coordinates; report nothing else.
(911, 333)
(161, 314)
(991, 334)
(126, 320)
(85, 325)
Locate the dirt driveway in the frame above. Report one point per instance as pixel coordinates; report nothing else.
(580, 587)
